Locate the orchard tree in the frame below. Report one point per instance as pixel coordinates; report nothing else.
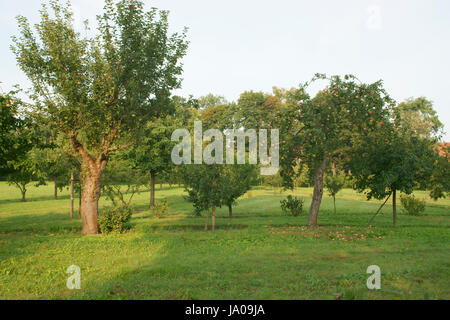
(317, 130)
(151, 155)
(56, 165)
(203, 183)
(16, 136)
(390, 161)
(418, 117)
(255, 110)
(99, 91)
(237, 179)
(334, 184)
(23, 171)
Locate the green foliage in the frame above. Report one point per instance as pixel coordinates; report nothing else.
(326, 126)
(417, 117)
(411, 205)
(236, 180)
(203, 184)
(292, 205)
(100, 89)
(274, 181)
(114, 220)
(121, 182)
(24, 171)
(16, 136)
(210, 101)
(391, 160)
(160, 209)
(439, 182)
(334, 184)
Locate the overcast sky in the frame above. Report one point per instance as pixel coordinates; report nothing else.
(256, 44)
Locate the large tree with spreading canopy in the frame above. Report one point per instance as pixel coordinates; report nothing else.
(99, 89)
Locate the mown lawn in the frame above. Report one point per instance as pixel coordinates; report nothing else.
(259, 254)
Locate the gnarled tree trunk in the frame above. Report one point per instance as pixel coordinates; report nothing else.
(89, 201)
(91, 174)
(317, 195)
(230, 211)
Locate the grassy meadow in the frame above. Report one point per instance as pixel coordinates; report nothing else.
(258, 254)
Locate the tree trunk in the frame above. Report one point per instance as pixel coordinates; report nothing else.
(230, 211)
(206, 221)
(56, 190)
(394, 206)
(89, 202)
(213, 218)
(24, 191)
(79, 200)
(317, 195)
(334, 202)
(152, 188)
(71, 195)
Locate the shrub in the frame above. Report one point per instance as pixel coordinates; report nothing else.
(412, 206)
(292, 205)
(114, 219)
(160, 209)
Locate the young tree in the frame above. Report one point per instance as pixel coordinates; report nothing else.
(16, 138)
(334, 184)
(55, 165)
(324, 127)
(152, 153)
(99, 91)
(22, 172)
(237, 179)
(203, 183)
(391, 161)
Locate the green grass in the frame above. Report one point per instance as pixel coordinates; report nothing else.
(259, 254)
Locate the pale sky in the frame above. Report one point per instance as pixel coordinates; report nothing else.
(256, 44)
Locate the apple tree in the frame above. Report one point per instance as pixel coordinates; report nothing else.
(99, 90)
(318, 130)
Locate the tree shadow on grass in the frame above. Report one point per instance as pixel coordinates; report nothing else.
(37, 198)
(51, 222)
